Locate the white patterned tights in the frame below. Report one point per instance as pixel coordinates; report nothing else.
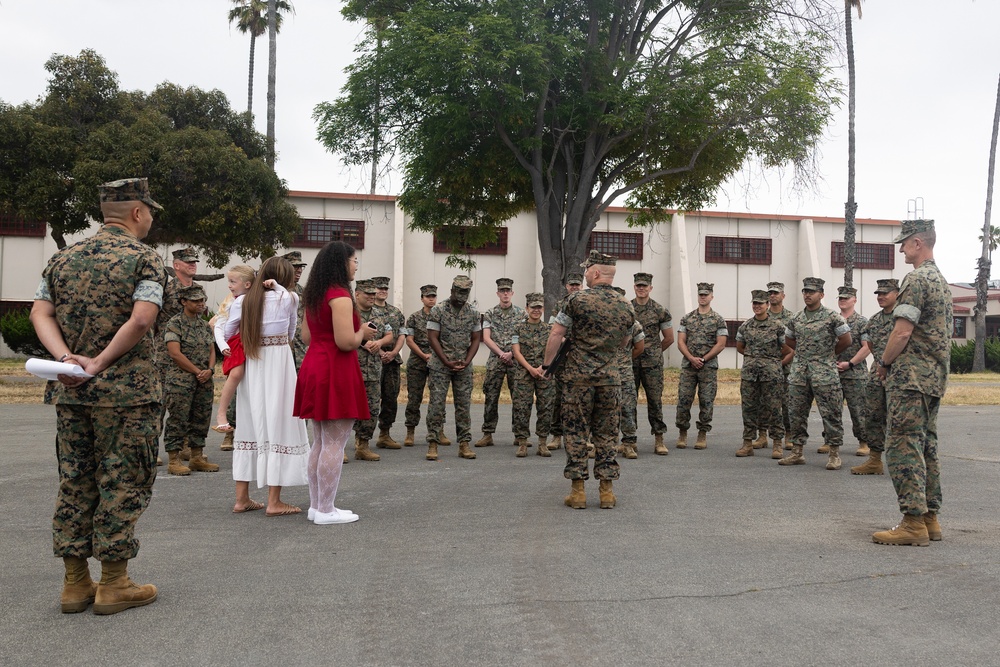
(325, 461)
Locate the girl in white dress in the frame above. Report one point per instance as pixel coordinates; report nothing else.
(271, 446)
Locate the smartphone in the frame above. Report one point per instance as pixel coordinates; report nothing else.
(372, 327)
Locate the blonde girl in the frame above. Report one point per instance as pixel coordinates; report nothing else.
(240, 279)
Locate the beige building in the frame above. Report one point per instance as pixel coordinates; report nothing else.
(737, 252)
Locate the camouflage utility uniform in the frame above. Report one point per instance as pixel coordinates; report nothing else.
(389, 383)
(456, 328)
(299, 346)
(189, 402)
(914, 387)
(784, 317)
(814, 374)
(702, 332)
(107, 428)
(416, 368)
(854, 381)
(371, 373)
(501, 322)
(761, 379)
(647, 368)
(591, 401)
(629, 415)
(531, 339)
(171, 307)
(877, 331)
(556, 427)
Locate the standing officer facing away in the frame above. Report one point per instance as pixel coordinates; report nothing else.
(95, 308)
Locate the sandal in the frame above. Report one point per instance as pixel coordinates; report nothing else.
(254, 505)
(290, 509)
(223, 428)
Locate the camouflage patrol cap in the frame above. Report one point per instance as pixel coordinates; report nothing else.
(642, 279)
(758, 296)
(381, 282)
(429, 290)
(367, 286)
(295, 257)
(846, 292)
(534, 299)
(128, 189)
(813, 284)
(776, 287)
(505, 283)
(462, 282)
(188, 254)
(911, 227)
(705, 288)
(599, 258)
(574, 278)
(191, 293)
(886, 285)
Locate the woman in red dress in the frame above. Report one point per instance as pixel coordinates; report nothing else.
(330, 390)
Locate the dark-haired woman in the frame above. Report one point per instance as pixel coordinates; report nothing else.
(330, 390)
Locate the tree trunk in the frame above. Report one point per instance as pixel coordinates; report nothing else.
(272, 68)
(253, 48)
(983, 278)
(851, 207)
(376, 130)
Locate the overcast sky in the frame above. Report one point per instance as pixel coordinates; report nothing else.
(927, 83)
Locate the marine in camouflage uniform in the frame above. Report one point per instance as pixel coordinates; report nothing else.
(108, 425)
(877, 331)
(701, 336)
(188, 398)
(416, 365)
(853, 376)
(299, 346)
(391, 362)
(371, 367)
(647, 368)
(915, 371)
(453, 330)
(574, 282)
(761, 341)
(499, 323)
(172, 307)
(815, 334)
(601, 321)
(528, 347)
(776, 310)
(629, 417)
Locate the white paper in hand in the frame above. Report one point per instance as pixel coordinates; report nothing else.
(51, 370)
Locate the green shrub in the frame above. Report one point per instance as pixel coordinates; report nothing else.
(961, 357)
(19, 335)
(993, 354)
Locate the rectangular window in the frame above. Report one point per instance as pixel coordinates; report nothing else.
(866, 255)
(737, 250)
(623, 245)
(316, 233)
(496, 247)
(12, 306)
(958, 331)
(732, 325)
(12, 225)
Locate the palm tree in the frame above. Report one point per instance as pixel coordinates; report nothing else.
(250, 17)
(989, 238)
(851, 207)
(994, 238)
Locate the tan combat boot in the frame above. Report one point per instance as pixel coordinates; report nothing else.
(607, 495)
(362, 452)
(78, 588)
(432, 451)
(443, 440)
(408, 440)
(556, 442)
(833, 462)
(863, 449)
(577, 498)
(911, 531)
(788, 443)
(629, 451)
(465, 452)
(227, 442)
(385, 441)
(185, 452)
(776, 449)
(485, 441)
(933, 526)
(746, 449)
(761, 440)
(116, 592)
(873, 466)
(175, 466)
(658, 446)
(793, 459)
(823, 449)
(682, 439)
(543, 450)
(702, 441)
(522, 448)
(199, 463)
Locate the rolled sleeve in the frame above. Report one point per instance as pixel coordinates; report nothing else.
(666, 324)
(842, 329)
(433, 326)
(515, 340)
(563, 319)
(43, 293)
(149, 290)
(722, 331)
(907, 312)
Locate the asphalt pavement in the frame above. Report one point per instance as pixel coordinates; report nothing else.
(707, 560)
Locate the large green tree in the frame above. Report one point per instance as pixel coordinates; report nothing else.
(250, 17)
(205, 165)
(567, 106)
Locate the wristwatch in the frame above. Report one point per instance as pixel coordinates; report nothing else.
(850, 364)
(884, 365)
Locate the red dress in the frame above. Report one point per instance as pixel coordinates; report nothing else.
(329, 384)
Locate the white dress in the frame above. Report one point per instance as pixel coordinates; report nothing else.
(270, 445)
